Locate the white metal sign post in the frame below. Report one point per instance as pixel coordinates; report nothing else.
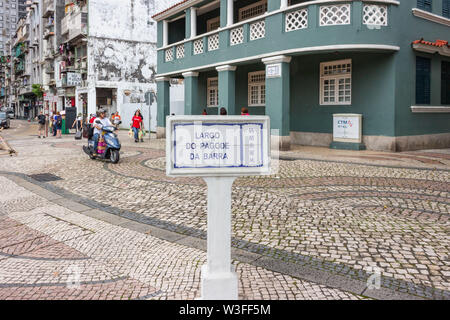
(219, 149)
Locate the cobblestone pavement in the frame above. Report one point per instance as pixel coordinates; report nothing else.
(338, 213)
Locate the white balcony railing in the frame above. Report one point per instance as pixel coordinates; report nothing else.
(331, 13)
(198, 46)
(237, 36)
(213, 42)
(258, 30)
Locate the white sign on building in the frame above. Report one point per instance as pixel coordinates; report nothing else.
(347, 128)
(73, 79)
(273, 70)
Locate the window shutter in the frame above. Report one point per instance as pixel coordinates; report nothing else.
(446, 8)
(445, 83)
(424, 5)
(423, 81)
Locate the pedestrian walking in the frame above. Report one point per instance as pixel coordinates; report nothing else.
(54, 117)
(41, 122)
(78, 123)
(116, 119)
(58, 125)
(142, 130)
(136, 124)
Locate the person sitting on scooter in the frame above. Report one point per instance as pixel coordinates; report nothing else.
(104, 122)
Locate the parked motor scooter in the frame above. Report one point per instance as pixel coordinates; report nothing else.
(112, 145)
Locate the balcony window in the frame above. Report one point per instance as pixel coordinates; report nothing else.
(336, 82)
(213, 92)
(177, 30)
(257, 88)
(213, 24)
(208, 18)
(253, 10)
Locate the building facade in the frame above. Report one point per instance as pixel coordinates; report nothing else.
(104, 56)
(304, 63)
(11, 11)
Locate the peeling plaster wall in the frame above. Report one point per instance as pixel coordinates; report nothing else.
(122, 19)
(118, 60)
(122, 53)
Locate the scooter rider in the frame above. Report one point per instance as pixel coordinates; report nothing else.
(104, 122)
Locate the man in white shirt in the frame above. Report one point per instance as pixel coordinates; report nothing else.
(104, 122)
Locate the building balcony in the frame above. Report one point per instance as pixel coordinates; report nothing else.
(48, 8)
(78, 26)
(48, 54)
(64, 25)
(49, 69)
(24, 89)
(50, 31)
(295, 29)
(74, 25)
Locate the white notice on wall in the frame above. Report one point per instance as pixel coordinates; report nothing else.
(347, 127)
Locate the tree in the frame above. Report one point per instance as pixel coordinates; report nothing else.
(37, 90)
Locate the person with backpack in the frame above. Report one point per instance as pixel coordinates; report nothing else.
(41, 122)
(58, 125)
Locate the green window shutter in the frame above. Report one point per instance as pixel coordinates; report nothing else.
(445, 83)
(423, 80)
(446, 8)
(424, 5)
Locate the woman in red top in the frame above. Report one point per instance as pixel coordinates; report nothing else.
(136, 125)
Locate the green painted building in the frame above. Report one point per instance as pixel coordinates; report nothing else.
(302, 62)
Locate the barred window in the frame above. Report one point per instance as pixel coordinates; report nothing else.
(213, 24)
(257, 88)
(213, 92)
(253, 10)
(336, 82)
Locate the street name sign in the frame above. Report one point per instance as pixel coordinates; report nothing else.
(219, 149)
(217, 146)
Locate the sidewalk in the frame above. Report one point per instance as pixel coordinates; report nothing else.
(322, 222)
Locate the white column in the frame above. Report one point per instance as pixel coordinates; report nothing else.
(230, 12)
(165, 33)
(284, 4)
(193, 22)
(219, 281)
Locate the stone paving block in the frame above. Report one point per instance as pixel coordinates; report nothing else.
(71, 205)
(193, 243)
(388, 294)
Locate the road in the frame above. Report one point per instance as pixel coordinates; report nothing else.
(73, 228)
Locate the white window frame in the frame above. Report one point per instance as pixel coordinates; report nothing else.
(260, 87)
(251, 6)
(212, 89)
(336, 77)
(210, 23)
